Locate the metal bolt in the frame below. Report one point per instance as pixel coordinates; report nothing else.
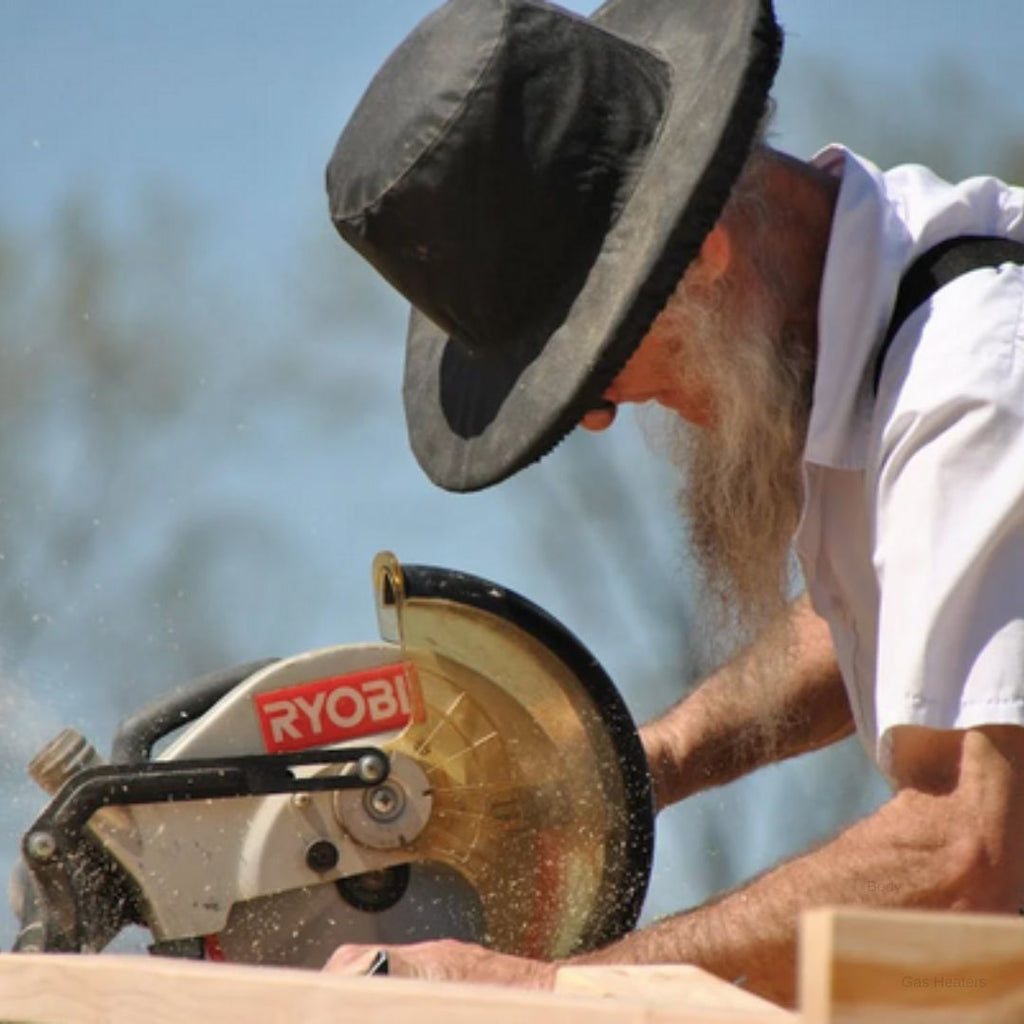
(41, 846)
(385, 803)
(372, 768)
(301, 800)
(321, 856)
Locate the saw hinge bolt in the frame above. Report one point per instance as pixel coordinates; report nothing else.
(385, 803)
(372, 768)
(41, 846)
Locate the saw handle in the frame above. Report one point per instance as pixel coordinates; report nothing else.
(135, 736)
(70, 873)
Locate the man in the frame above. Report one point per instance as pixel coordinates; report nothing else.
(581, 215)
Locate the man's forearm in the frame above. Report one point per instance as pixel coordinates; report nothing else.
(782, 697)
(903, 855)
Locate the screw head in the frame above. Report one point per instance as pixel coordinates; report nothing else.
(41, 846)
(372, 768)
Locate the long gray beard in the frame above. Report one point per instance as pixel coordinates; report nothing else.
(743, 489)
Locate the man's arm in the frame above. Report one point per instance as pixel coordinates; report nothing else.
(781, 697)
(952, 837)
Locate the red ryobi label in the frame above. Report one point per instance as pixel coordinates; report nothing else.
(340, 708)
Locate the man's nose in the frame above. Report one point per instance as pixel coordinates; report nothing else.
(602, 416)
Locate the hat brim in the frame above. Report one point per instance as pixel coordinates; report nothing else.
(723, 55)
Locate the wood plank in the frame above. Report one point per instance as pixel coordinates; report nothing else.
(68, 989)
(677, 984)
(858, 964)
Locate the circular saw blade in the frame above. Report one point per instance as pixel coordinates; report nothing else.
(542, 797)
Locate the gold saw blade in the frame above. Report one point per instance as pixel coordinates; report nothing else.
(541, 799)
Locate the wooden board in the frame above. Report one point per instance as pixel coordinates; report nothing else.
(68, 989)
(676, 984)
(899, 965)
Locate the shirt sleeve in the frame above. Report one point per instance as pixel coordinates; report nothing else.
(948, 471)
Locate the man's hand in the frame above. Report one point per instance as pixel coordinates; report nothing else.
(447, 960)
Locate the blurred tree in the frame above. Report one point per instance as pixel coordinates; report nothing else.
(946, 119)
(115, 416)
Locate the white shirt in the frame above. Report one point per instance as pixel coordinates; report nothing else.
(912, 537)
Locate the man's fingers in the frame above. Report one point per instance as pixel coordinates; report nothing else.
(356, 960)
(444, 960)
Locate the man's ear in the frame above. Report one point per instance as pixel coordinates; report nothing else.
(716, 251)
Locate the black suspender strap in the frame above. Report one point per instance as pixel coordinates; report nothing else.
(937, 267)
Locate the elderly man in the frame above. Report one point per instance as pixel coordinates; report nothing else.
(582, 215)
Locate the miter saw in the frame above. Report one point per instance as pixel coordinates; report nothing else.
(473, 775)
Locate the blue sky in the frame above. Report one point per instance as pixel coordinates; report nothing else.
(235, 106)
(239, 103)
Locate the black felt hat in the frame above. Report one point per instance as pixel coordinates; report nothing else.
(535, 183)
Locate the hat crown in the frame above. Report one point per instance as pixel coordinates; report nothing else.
(536, 184)
(488, 159)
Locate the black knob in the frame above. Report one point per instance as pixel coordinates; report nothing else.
(321, 856)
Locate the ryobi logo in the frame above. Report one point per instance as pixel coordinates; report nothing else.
(339, 708)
